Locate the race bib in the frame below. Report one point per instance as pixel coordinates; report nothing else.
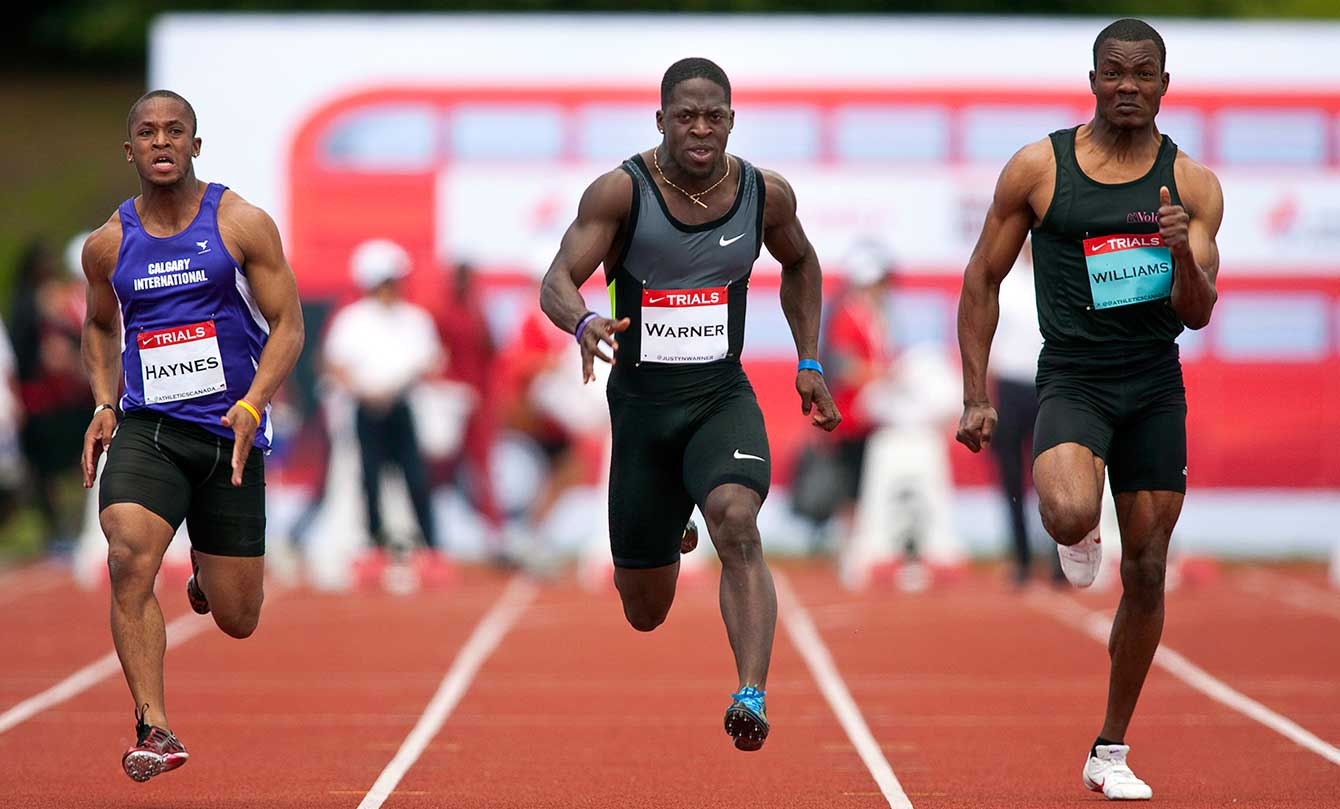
(181, 363)
(1125, 269)
(684, 325)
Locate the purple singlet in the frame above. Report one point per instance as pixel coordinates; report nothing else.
(192, 331)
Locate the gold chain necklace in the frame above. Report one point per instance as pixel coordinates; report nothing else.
(692, 197)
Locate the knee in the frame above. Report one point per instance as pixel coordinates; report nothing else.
(734, 525)
(1068, 521)
(645, 617)
(130, 568)
(240, 624)
(1142, 578)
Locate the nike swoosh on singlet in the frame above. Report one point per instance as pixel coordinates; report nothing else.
(740, 456)
(724, 242)
(655, 300)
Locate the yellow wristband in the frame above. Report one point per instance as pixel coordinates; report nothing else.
(247, 406)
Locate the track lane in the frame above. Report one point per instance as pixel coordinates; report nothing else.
(576, 709)
(304, 714)
(983, 699)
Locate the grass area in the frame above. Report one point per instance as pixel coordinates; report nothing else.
(21, 536)
(60, 155)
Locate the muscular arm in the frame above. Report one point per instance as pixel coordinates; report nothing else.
(603, 210)
(1007, 223)
(275, 291)
(801, 292)
(802, 280)
(587, 242)
(1190, 231)
(101, 341)
(101, 346)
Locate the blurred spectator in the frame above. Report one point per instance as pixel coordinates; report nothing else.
(546, 402)
(45, 324)
(891, 442)
(11, 417)
(378, 349)
(1014, 368)
(465, 334)
(856, 353)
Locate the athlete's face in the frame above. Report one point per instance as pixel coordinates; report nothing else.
(696, 123)
(1128, 82)
(162, 141)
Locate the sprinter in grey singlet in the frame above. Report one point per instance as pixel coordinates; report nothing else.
(678, 228)
(1124, 254)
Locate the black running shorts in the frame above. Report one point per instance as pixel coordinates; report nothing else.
(181, 471)
(668, 456)
(1129, 410)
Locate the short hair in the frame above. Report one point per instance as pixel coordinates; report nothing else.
(693, 68)
(1131, 30)
(134, 108)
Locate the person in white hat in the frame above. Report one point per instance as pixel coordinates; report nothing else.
(378, 349)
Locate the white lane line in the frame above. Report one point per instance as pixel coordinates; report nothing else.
(800, 628)
(1098, 625)
(180, 630)
(485, 638)
(1297, 594)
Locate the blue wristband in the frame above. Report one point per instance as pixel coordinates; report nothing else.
(810, 365)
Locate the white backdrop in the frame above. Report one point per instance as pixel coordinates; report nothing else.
(254, 78)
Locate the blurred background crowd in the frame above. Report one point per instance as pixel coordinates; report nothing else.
(421, 189)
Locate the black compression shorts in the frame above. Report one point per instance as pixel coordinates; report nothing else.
(1129, 411)
(668, 456)
(181, 471)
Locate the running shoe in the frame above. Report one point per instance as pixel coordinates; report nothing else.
(689, 540)
(1108, 773)
(747, 718)
(157, 751)
(1080, 562)
(193, 592)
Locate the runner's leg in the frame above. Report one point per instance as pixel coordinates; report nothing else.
(1069, 481)
(136, 541)
(1147, 520)
(748, 597)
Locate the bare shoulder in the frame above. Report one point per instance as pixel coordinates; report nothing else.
(1197, 185)
(609, 196)
(1030, 165)
(779, 198)
(101, 249)
(236, 213)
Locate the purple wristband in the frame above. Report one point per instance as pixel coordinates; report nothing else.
(582, 324)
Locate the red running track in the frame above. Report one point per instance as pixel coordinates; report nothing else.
(977, 695)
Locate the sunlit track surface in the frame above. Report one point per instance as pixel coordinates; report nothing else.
(973, 694)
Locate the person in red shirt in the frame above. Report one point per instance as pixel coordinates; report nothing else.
(465, 333)
(856, 354)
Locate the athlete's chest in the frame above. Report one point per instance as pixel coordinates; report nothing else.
(175, 268)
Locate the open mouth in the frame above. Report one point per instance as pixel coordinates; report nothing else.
(701, 154)
(163, 163)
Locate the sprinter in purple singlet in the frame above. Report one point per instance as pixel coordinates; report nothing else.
(193, 319)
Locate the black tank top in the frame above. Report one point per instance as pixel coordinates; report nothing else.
(1103, 276)
(684, 289)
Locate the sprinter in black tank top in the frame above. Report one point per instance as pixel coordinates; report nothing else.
(678, 228)
(1124, 251)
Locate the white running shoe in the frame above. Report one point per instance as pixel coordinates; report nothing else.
(1108, 773)
(1080, 562)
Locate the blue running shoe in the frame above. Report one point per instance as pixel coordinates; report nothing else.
(747, 718)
